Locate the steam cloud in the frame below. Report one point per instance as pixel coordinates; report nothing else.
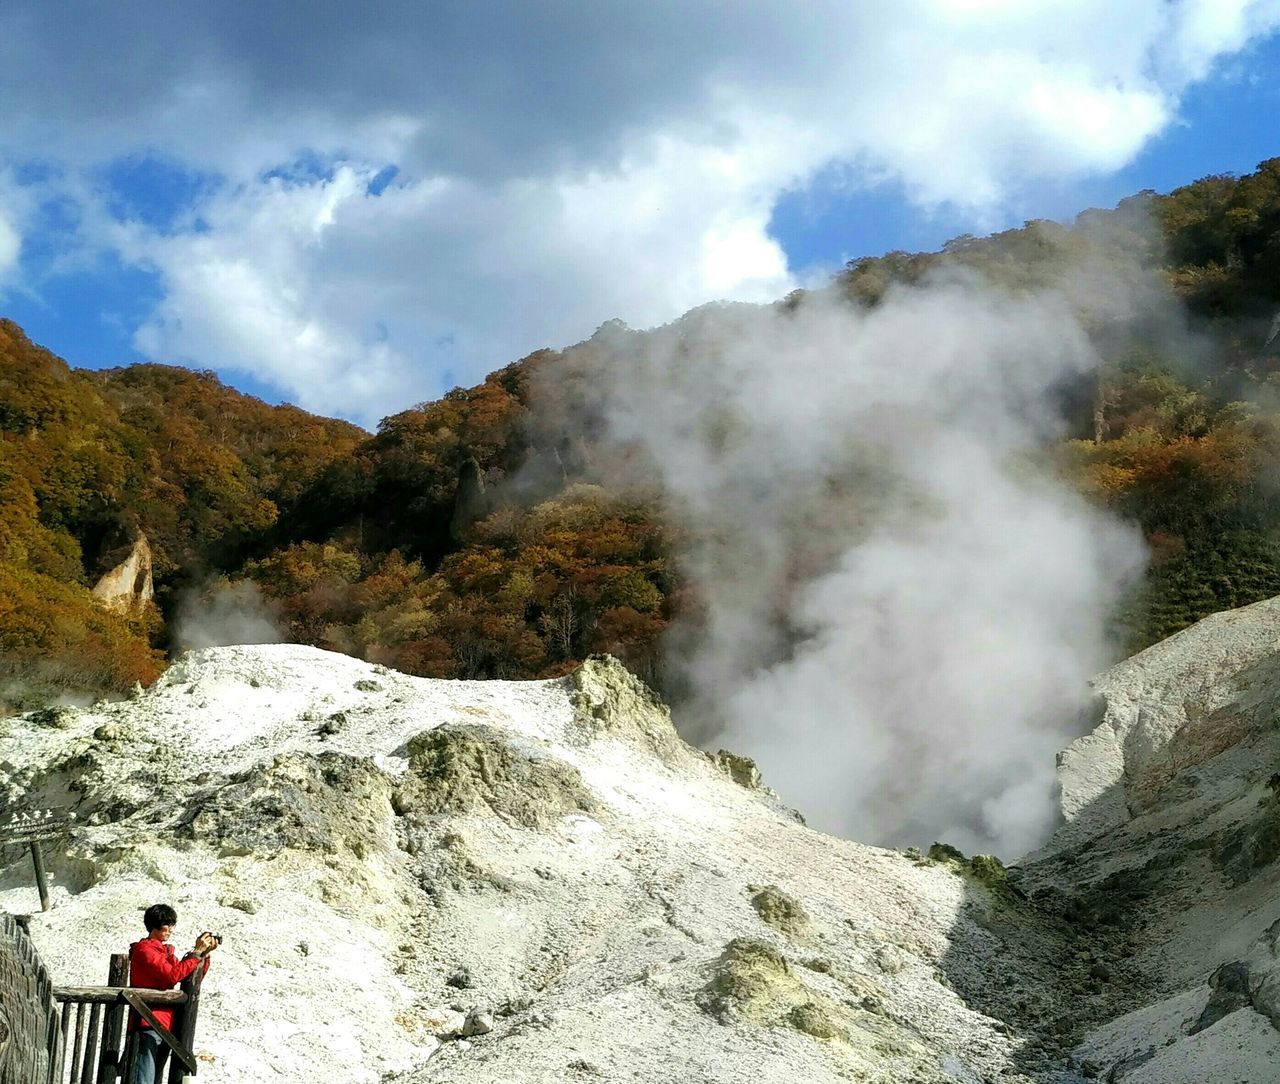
(224, 614)
(902, 608)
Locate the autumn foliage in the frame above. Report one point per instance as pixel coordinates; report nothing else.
(89, 459)
(469, 537)
(528, 594)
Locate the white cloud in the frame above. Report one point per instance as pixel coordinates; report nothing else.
(558, 167)
(13, 210)
(250, 291)
(289, 280)
(10, 246)
(1208, 29)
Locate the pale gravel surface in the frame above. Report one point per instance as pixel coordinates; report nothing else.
(599, 927)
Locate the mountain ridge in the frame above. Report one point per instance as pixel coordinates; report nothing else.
(483, 535)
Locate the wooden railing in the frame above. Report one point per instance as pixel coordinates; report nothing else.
(29, 1040)
(97, 1048)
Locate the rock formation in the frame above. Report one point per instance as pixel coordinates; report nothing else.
(1167, 857)
(432, 880)
(128, 586)
(1176, 705)
(424, 881)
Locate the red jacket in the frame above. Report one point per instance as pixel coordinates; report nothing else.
(154, 965)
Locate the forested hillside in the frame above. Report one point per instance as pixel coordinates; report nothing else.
(472, 536)
(1181, 430)
(89, 459)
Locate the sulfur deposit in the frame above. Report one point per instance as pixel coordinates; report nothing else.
(489, 881)
(423, 881)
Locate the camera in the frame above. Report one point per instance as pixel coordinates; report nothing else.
(216, 936)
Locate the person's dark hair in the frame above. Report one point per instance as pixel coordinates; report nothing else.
(160, 914)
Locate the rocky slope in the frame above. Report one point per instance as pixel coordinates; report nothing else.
(386, 855)
(487, 881)
(1167, 858)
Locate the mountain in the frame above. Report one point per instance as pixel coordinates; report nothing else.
(88, 461)
(486, 534)
(420, 880)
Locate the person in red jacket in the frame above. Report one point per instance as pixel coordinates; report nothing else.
(154, 965)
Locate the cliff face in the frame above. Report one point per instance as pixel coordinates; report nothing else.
(425, 880)
(129, 586)
(1168, 854)
(1168, 709)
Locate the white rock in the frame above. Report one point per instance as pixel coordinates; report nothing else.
(444, 1022)
(1175, 705)
(242, 799)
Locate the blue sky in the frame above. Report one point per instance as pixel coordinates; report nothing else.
(1226, 124)
(355, 211)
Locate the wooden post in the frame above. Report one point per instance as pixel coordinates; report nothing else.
(91, 1045)
(78, 1050)
(111, 1063)
(64, 1046)
(130, 1057)
(37, 860)
(186, 1030)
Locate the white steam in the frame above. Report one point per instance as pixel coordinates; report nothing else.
(224, 614)
(902, 608)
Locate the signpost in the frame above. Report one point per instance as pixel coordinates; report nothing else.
(30, 826)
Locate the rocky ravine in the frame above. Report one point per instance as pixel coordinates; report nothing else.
(486, 881)
(1167, 859)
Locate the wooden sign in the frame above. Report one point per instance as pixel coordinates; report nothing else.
(30, 826)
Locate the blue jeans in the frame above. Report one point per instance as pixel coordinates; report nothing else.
(152, 1054)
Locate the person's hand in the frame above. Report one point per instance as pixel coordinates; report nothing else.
(205, 944)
